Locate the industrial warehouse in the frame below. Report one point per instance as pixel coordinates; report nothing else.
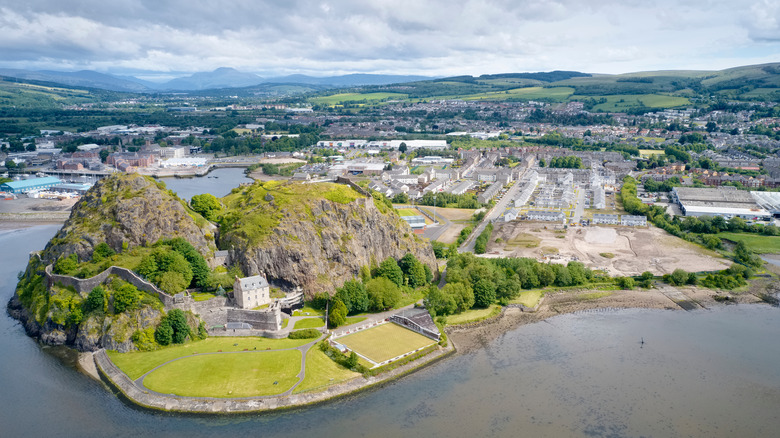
(722, 201)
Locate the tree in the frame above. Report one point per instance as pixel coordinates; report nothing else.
(390, 270)
(461, 294)
(66, 265)
(320, 300)
(104, 155)
(207, 205)
(164, 332)
(679, 277)
(383, 294)
(354, 296)
(625, 282)
(126, 297)
(172, 282)
(402, 148)
(484, 293)
(179, 325)
(102, 251)
(439, 303)
(96, 300)
(337, 314)
(401, 198)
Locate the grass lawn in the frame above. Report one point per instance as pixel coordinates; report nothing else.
(228, 375)
(410, 298)
(309, 323)
(474, 315)
(335, 99)
(308, 311)
(385, 342)
(322, 371)
(757, 243)
(137, 363)
(355, 320)
(202, 296)
(528, 298)
(407, 212)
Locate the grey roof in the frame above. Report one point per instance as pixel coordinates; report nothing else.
(237, 325)
(254, 282)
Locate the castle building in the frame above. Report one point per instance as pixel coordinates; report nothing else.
(251, 292)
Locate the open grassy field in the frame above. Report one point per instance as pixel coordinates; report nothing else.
(474, 315)
(757, 243)
(385, 342)
(308, 311)
(228, 375)
(336, 99)
(557, 94)
(137, 363)
(321, 371)
(529, 298)
(623, 102)
(644, 153)
(309, 323)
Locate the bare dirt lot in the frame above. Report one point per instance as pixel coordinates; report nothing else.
(616, 250)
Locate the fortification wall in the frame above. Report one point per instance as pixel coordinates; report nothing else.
(84, 285)
(268, 320)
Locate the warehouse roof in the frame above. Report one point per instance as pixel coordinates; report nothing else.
(32, 183)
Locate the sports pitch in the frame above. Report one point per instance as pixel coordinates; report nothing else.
(384, 342)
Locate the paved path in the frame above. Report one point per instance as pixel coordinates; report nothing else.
(678, 297)
(492, 215)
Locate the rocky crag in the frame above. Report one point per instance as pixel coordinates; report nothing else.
(315, 236)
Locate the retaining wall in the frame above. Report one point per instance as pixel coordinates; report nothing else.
(268, 320)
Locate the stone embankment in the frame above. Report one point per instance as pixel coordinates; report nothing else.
(114, 377)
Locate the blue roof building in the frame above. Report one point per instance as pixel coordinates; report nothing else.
(31, 184)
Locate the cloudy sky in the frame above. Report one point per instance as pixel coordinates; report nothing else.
(428, 37)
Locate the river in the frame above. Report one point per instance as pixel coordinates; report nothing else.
(218, 182)
(707, 373)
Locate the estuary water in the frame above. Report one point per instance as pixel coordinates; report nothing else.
(218, 182)
(708, 373)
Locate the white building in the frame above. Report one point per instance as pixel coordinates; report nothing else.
(251, 292)
(547, 216)
(633, 220)
(609, 219)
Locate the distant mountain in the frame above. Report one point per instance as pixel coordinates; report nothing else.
(351, 80)
(223, 77)
(83, 78)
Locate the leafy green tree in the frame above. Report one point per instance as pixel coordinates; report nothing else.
(383, 294)
(102, 251)
(625, 282)
(172, 261)
(353, 294)
(744, 255)
(172, 282)
(390, 270)
(96, 300)
(439, 303)
(207, 205)
(179, 325)
(126, 297)
(320, 300)
(337, 314)
(164, 332)
(484, 293)
(148, 267)
(66, 265)
(679, 277)
(461, 294)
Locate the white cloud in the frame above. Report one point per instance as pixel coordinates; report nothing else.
(437, 37)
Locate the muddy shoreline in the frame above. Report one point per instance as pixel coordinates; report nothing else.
(473, 336)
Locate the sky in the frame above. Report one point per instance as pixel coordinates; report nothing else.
(160, 39)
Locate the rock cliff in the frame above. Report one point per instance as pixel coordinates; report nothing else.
(315, 236)
(126, 211)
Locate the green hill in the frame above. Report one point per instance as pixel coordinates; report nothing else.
(603, 92)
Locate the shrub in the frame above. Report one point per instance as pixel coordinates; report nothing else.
(338, 314)
(305, 334)
(96, 300)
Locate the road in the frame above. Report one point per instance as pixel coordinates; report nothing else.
(579, 206)
(493, 214)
